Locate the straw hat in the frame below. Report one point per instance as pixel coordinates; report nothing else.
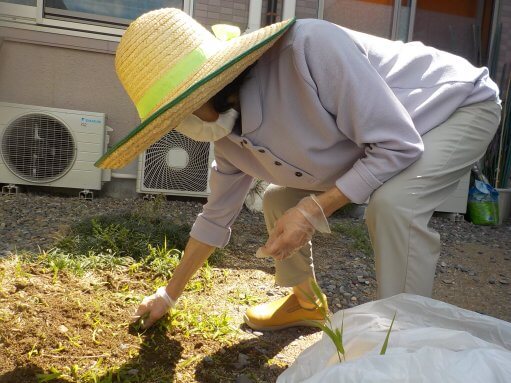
(170, 65)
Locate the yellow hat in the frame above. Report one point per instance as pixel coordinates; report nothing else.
(170, 65)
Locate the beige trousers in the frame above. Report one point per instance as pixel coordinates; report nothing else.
(406, 250)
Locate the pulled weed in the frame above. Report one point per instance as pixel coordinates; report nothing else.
(336, 334)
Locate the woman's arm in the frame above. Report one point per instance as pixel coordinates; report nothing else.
(196, 253)
(331, 200)
(155, 306)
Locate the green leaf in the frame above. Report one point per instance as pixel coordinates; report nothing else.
(319, 294)
(340, 346)
(384, 347)
(332, 334)
(48, 377)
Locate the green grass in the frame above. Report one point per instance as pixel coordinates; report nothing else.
(357, 233)
(124, 234)
(195, 319)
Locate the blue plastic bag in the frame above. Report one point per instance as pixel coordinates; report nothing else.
(483, 205)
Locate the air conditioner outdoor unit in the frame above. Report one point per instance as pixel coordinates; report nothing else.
(175, 165)
(51, 147)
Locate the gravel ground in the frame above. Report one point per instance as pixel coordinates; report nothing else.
(474, 270)
(479, 253)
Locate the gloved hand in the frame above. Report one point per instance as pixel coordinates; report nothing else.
(295, 228)
(152, 308)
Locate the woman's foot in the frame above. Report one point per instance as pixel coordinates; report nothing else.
(283, 313)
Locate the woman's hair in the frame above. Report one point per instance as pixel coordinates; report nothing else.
(220, 100)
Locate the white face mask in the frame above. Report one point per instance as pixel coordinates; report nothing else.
(199, 130)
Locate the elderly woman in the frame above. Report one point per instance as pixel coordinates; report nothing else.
(325, 114)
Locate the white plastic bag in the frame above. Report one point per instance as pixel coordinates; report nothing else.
(431, 341)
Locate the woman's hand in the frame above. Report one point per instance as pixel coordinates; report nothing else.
(291, 231)
(155, 306)
(152, 308)
(295, 228)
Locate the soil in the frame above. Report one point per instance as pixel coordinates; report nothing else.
(59, 322)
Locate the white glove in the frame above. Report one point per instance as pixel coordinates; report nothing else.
(153, 307)
(294, 229)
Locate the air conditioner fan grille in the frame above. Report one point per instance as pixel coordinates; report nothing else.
(38, 148)
(176, 162)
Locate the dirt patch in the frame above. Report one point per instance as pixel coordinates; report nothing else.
(476, 277)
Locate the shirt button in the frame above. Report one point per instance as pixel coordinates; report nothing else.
(262, 151)
(298, 174)
(277, 163)
(245, 142)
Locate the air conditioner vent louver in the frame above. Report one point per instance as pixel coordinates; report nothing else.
(176, 164)
(38, 148)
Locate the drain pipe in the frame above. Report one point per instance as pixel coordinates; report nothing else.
(125, 176)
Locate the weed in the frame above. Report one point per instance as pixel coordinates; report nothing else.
(217, 256)
(336, 334)
(125, 234)
(194, 319)
(34, 351)
(386, 342)
(53, 374)
(357, 232)
(239, 297)
(57, 260)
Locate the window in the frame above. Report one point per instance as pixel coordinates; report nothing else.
(114, 13)
(99, 19)
(21, 2)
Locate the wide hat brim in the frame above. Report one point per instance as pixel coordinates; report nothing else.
(213, 76)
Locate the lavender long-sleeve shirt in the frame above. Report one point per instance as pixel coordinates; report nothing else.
(327, 106)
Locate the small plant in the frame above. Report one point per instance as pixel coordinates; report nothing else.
(193, 319)
(240, 297)
(334, 333)
(357, 232)
(125, 234)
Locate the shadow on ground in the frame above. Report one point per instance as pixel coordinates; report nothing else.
(156, 361)
(258, 361)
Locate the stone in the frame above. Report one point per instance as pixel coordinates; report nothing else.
(242, 361)
(243, 379)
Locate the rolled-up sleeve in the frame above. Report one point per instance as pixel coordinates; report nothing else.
(366, 110)
(229, 187)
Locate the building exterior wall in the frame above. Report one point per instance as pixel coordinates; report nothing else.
(210, 12)
(61, 71)
(449, 32)
(363, 16)
(34, 72)
(307, 9)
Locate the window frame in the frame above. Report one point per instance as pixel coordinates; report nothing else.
(32, 17)
(16, 11)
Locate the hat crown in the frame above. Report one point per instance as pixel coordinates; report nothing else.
(154, 43)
